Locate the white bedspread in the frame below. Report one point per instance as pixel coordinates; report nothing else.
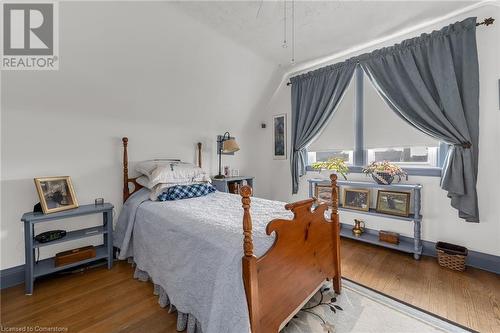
(193, 249)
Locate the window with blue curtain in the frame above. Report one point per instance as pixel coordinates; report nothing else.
(385, 136)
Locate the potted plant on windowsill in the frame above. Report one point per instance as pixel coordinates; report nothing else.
(334, 164)
(384, 172)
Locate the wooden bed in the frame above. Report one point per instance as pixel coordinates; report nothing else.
(306, 251)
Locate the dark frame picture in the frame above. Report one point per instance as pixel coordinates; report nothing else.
(358, 199)
(279, 137)
(56, 194)
(393, 203)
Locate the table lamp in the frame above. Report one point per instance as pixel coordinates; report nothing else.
(225, 145)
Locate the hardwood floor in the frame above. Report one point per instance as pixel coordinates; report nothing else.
(112, 301)
(471, 298)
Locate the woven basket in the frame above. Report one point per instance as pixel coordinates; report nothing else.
(451, 256)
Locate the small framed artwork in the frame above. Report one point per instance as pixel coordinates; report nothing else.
(393, 203)
(279, 137)
(235, 173)
(358, 199)
(323, 194)
(56, 194)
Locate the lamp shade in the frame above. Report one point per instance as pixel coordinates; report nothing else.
(230, 146)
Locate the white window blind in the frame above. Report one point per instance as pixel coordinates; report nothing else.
(339, 132)
(383, 128)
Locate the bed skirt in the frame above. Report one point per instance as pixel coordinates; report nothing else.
(185, 321)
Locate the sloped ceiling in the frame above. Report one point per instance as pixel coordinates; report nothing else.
(321, 27)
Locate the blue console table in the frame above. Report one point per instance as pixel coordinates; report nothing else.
(222, 184)
(47, 266)
(409, 245)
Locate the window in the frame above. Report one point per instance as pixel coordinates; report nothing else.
(336, 140)
(406, 156)
(387, 137)
(371, 131)
(321, 156)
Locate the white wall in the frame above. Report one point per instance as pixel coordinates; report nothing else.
(139, 69)
(440, 219)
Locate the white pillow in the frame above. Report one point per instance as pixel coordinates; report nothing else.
(163, 171)
(157, 190)
(147, 167)
(144, 181)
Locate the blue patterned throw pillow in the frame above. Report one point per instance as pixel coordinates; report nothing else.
(186, 191)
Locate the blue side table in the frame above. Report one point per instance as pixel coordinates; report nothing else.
(47, 266)
(222, 185)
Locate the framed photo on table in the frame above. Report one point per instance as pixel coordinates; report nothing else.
(393, 203)
(323, 194)
(56, 194)
(279, 137)
(358, 199)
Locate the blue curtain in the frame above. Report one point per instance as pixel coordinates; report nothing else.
(315, 96)
(432, 82)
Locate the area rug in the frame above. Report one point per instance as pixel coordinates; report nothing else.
(360, 309)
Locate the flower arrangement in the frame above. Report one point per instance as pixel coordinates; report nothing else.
(335, 164)
(384, 172)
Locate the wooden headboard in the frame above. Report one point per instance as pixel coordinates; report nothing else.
(127, 181)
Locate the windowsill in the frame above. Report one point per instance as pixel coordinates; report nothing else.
(427, 172)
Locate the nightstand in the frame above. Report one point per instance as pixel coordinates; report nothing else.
(232, 184)
(47, 266)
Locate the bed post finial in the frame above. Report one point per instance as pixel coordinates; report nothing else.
(125, 169)
(335, 195)
(249, 263)
(199, 154)
(246, 192)
(336, 280)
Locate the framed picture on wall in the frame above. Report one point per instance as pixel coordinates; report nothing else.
(279, 137)
(56, 194)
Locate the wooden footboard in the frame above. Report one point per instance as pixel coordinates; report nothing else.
(305, 253)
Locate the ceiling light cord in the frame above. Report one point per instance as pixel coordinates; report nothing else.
(258, 10)
(285, 45)
(293, 32)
